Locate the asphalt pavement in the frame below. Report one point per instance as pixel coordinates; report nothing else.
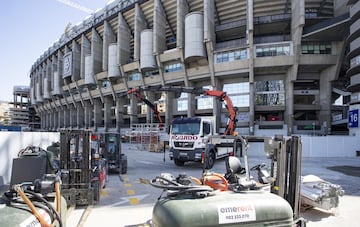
(128, 199)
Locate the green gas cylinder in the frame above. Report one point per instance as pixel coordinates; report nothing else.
(247, 208)
(19, 214)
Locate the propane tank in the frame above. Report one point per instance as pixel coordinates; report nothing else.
(17, 214)
(248, 208)
(187, 204)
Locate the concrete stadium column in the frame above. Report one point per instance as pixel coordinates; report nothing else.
(134, 109)
(50, 120)
(170, 105)
(46, 116)
(182, 10)
(50, 72)
(54, 69)
(289, 102)
(67, 117)
(73, 116)
(209, 36)
(39, 81)
(108, 103)
(250, 40)
(297, 24)
(60, 118)
(159, 35)
(76, 59)
(42, 120)
(109, 37)
(55, 119)
(44, 123)
(150, 113)
(46, 79)
(123, 40)
(159, 39)
(80, 115)
(191, 103)
(217, 105)
(85, 50)
(326, 77)
(98, 113)
(140, 24)
(96, 51)
(88, 112)
(119, 112)
(59, 82)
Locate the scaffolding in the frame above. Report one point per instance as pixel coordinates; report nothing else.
(145, 136)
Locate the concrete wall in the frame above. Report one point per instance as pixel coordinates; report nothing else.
(12, 142)
(319, 146)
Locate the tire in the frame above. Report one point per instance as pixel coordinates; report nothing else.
(211, 160)
(178, 162)
(96, 186)
(123, 167)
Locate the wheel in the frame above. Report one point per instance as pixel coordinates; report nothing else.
(211, 160)
(178, 162)
(123, 164)
(96, 186)
(124, 168)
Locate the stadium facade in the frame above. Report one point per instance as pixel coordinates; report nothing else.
(284, 63)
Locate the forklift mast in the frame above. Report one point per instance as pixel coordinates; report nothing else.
(75, 164)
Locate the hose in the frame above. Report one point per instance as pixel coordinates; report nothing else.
(31, 206)
(51, 211)
(178, 188)
(58, 197)
(56, 214)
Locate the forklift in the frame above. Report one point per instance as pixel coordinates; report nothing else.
(84, 166)
(110, 144)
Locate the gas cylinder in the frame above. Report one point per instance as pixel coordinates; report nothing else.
(223, 208)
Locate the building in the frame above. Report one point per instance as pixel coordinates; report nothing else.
(21, 114)
(353, 72)
(283, 63)
(4, 113)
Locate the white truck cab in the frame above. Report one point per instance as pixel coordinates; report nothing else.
(188, 137)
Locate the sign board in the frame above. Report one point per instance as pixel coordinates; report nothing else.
(353, 118)
(67, 64)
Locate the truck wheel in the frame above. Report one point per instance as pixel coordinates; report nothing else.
(178, 162)
(211, 160)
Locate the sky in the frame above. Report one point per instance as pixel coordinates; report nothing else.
(28, 29)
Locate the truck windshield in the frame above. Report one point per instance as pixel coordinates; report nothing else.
(192, 128)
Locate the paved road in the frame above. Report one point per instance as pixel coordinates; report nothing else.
(128, 199)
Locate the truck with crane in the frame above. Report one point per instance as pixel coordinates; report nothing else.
(188, 136)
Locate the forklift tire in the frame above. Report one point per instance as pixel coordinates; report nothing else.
(96, 187)
(178, 162)
(124, 169)
(211, 160)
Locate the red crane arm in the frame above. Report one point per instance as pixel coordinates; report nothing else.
(138, 94)
(223, 97)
